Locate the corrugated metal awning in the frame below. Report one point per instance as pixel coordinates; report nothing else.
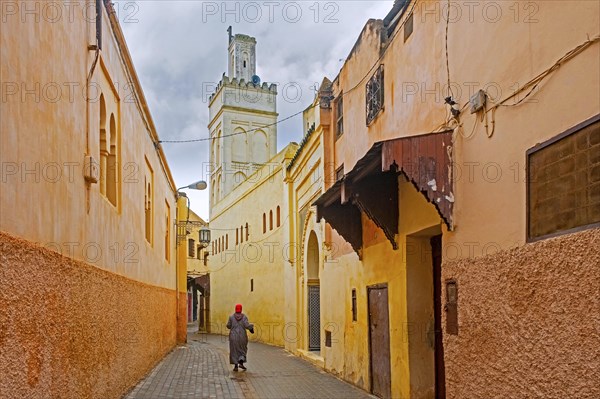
(371, 187)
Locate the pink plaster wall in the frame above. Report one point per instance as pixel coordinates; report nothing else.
(71, 330)
(529, 321)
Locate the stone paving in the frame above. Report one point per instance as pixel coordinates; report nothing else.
(201, 369)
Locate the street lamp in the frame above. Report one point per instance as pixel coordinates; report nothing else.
(204, 236)
(199, 185)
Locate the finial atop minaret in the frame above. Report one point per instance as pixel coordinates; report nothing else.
(229, 30)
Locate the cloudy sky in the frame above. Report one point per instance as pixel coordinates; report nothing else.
(180, 52)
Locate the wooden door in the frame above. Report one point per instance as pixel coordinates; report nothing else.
(379, 341)
(440, 373)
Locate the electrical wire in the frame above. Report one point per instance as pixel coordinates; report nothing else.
(311, 106)
(534, 83)
(449, 87)
(244, 132)
(234, 254)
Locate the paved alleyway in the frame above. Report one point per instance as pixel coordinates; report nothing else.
(201, 370)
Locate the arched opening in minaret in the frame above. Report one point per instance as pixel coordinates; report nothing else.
(260, 149)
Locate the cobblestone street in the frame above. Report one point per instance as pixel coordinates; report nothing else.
(201, 369)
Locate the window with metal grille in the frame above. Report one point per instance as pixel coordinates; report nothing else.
(374, 95)
(563, 182)
(191, 248)
(339, 109)
(354, 304)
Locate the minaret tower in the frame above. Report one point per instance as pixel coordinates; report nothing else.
(243, 116)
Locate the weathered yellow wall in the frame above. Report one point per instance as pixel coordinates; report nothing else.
(415, 87)
(90, 322)
(195, 266)
(489, 174)
(43, 195)
(349, 355)
(263, 258)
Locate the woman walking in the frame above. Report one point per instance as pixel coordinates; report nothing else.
(238, 339)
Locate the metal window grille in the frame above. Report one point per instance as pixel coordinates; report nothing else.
(314, 318)
(340, 116)
(374, 95)
(563, 182)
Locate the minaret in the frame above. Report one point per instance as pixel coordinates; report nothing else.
(243, 116)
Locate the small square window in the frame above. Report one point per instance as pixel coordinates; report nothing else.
(191, 248)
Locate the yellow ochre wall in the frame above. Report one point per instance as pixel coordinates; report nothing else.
(81, 261)
(486, 252)
(415, 81)
(262, 258)
(349, 355)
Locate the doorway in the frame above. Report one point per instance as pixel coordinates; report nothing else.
(440, 371)
(379, 341)
(314, 294)
(424, 311)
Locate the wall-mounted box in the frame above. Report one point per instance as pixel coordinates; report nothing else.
(91, 169)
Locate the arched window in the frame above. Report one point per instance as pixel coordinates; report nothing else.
(270, 220)
(247, 232)
(237, 237)
(226, 241)
(111, 163)
(260, 147)
(238, 145)
(148, 210)
(264, 223)
(103, 145)
(278, 216)
(241, 233)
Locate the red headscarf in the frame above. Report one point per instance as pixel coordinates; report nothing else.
(238, 308)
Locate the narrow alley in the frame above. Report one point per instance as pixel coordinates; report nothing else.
(200, 369)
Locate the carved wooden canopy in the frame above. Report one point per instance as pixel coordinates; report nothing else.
(371, 187)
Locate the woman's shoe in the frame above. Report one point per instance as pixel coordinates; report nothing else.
(242, 366)
(235, 368)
